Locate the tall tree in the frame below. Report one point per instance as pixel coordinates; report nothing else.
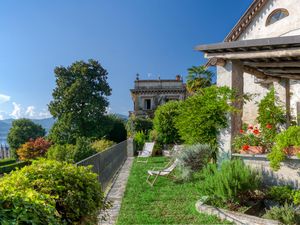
(23, 130)
(79, 101)
(198, 77)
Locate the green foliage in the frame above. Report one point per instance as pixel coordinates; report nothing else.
(164, 122)
(101, 145)
(138, 124)
(247, 139)
(192, 159)
(202, 116)
(83, 149)
(284, 140)
(26, 207)
(296, 197)
(23, 130)
(13, 166)
(140, 139)
(79, 102)
(62, 153)
(117, 132)
(72, 194)
(198, 77)
(4, 162)
(228, 183)
(281, 194)
(285, 214)
(270, 116)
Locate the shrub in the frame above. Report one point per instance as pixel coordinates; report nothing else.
(83, 149)
(284, 140)
(13, 166)
(23, 130)
(281, 194)
(73, 191)
(203, 115)
(285, 214)
(193, 158)
(270, 116)
(228, 184)
(4, 162)
(138, 124)
(296, 197)
(164, 122)
(26, 207)
(140, 139)
(62, 153)
(101, 145)
(33, 149)
(118, 131)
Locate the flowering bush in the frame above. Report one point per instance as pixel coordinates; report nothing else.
(252, 136)
(33, 149)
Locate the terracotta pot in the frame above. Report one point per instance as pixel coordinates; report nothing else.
(292, 151)
(255, 150)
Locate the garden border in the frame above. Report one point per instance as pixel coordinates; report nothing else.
(235, 217)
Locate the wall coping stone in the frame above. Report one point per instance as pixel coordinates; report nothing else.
(235, 217)
(261, 156)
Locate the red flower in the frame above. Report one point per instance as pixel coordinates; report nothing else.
(269, 126)
(241, 131)
(250, 128)
(256, 132)
(246, 147)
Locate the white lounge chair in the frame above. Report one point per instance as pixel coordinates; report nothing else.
(146, 153)
(176, 149)
(164, 172)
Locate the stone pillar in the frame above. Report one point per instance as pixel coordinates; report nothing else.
(231, 75)
(130, 147)
(282, 88)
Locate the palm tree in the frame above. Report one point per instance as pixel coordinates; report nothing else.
(198, 77)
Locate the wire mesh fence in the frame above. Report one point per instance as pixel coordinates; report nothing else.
(107, 163)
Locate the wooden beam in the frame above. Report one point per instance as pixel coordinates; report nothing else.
(255, 72)
(273, 64)
(276, 53)
(283, 71)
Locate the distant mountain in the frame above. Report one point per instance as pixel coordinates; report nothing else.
(5, 125)
(123, 117)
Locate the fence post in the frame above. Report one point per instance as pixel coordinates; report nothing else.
(130, 147)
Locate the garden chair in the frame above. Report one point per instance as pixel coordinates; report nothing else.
(176, 149)
(144, 155)
(163, 172)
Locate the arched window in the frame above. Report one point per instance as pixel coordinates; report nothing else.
(276, 15)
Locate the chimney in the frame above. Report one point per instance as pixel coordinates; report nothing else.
(178, 77)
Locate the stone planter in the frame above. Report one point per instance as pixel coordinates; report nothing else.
(235, 217)
(254, 150)
(292, 151)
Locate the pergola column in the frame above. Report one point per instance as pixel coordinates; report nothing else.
(282, 88)
(232, 76)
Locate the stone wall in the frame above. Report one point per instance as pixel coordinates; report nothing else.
(287, 175)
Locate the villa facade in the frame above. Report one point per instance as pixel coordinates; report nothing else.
(260, 52)
(147, 95)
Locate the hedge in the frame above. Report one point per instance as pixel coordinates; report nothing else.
(13, 166)
(4, 162)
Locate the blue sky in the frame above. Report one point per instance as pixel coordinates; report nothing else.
(150, 37)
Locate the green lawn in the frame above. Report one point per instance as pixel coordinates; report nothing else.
(168, 202)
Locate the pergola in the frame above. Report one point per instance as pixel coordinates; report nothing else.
(275, 60)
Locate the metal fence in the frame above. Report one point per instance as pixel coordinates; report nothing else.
(4, 152)
(107, 163)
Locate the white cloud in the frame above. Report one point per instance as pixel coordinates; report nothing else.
(44, 114)
(16, 113)
(1, 117)
(4, 98)
(30, 111)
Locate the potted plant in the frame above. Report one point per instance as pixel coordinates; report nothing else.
(249, 141)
